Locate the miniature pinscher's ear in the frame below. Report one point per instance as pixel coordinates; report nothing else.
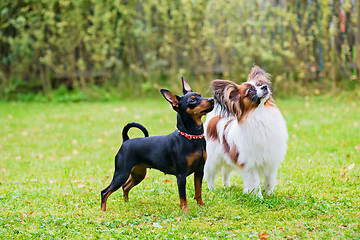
(186, 86)
(171, 98)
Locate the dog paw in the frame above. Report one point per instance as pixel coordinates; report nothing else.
(270, 192)
(254, 192)
(211, 186)
(185, 209)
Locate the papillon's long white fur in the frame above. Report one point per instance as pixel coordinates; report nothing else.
(245, 132)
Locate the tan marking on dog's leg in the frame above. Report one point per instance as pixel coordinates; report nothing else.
(183, 205)
(137, 174)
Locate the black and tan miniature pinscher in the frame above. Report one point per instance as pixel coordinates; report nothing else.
(180, 153)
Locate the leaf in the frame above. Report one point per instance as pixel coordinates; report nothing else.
(158, 225)
(351, 166)
(263, 235)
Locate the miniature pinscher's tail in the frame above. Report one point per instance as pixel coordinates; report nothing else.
(130, 125)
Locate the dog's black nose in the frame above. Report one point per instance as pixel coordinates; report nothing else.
(263, 87)
(211, 100)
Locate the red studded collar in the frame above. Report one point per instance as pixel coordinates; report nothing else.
(189, 136)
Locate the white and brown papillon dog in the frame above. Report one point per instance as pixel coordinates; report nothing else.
(245, 132)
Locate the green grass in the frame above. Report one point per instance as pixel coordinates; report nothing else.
(56, 158)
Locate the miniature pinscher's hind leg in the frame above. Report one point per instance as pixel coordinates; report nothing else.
(137, 175)
(118, 180)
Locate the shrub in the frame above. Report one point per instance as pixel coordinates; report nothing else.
(144, 44)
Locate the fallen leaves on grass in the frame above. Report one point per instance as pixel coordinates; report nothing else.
(343, 171)
(351, 166)
(263, 235)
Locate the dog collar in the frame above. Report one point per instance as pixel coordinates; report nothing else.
(189, 136)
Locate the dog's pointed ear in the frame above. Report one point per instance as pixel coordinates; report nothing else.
(173, 99)
(186, 86)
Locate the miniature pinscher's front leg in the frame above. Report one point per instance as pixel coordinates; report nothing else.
(181, 182)
(198, 176)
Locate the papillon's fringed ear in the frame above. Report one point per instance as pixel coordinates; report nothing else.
(173, 99)
(257, 73)
(186, 86)
(225, 89)
(227, 94)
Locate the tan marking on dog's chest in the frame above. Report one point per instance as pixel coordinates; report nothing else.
(193, 157)
(204, 155)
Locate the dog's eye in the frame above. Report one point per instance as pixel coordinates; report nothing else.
(249, 91)
(192, 100)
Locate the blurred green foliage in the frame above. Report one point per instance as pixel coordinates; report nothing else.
(139, 46)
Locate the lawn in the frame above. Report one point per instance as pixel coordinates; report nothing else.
(56, 158)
